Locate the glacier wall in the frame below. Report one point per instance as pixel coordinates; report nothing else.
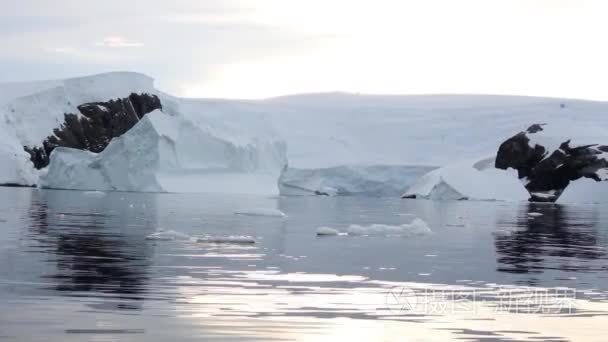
(163, 153)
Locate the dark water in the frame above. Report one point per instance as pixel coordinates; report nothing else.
(77, 266)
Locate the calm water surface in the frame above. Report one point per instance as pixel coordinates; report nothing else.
(77, 266)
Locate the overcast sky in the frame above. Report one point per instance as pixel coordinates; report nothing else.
(262, 48)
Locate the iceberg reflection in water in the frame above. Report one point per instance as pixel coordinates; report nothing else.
(75, 266)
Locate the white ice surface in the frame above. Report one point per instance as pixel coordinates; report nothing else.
(326, 130)
(232, 239)
(585, 191)
(416, 227)
(171, 235)
(327, 231)
(464, 181)
(168, 235)
(534, 214)
(268, 212)
(375, 180)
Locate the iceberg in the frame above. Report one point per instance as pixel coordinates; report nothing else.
(164, 153)
(333, 143)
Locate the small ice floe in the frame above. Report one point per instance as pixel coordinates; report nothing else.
(534, 214)
(232, 239)
(406, 215)
(417, 227)
(328, 231)
(261, 212)
(95, 193)
(168, 235)
(502, 233)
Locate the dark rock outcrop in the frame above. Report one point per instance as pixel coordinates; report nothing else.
(548, 173)
(517, 153)
(99, 123)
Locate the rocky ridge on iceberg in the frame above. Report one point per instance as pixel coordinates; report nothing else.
(546, 164)
(95, 126)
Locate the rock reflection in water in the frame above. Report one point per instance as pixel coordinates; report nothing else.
(95, 248)
(549, 237)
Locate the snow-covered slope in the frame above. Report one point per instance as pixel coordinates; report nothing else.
(326, 130)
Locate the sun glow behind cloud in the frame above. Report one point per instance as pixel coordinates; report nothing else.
(262, 48)
(548, 48)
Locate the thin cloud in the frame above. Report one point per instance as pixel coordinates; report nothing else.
(68, 50)
(118, 42)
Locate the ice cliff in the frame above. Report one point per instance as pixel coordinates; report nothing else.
(111, 132)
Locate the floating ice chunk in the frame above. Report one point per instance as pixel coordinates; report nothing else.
(406, 215)
(261, 212)
(417, 227)
(502, 233)
(327, 231)
(168, 236)
(157, 237)
(95, 193)
(534, 214)
(235, 239)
